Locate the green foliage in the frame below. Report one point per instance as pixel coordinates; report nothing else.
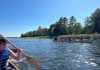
(71, 25)
(92, 23)
(59, 28)
(88, 29)
(65, 27)
(96, 21)
(77, 28)
(74, 27)
(39, 32)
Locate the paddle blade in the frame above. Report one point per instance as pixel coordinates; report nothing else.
(33, 62)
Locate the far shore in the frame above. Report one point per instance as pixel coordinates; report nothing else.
(97, 36)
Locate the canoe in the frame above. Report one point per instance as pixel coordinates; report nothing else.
(12, 66)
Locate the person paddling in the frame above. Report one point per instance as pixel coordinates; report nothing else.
(5, 52)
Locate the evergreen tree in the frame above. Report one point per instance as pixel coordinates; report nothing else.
(71, 25)
(96, 21)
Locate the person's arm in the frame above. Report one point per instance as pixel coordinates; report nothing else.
(16, 55)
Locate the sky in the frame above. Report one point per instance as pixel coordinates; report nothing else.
(21, 16)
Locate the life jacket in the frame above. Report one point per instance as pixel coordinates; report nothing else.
(3, 58)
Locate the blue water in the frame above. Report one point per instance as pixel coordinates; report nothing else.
(60, 55)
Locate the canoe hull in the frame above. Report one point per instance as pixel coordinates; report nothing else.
(12, 65)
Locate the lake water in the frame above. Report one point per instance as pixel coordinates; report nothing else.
(60, 55)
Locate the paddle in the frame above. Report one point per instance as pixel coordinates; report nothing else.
(31, 60)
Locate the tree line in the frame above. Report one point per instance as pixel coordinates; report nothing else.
(65, 26)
